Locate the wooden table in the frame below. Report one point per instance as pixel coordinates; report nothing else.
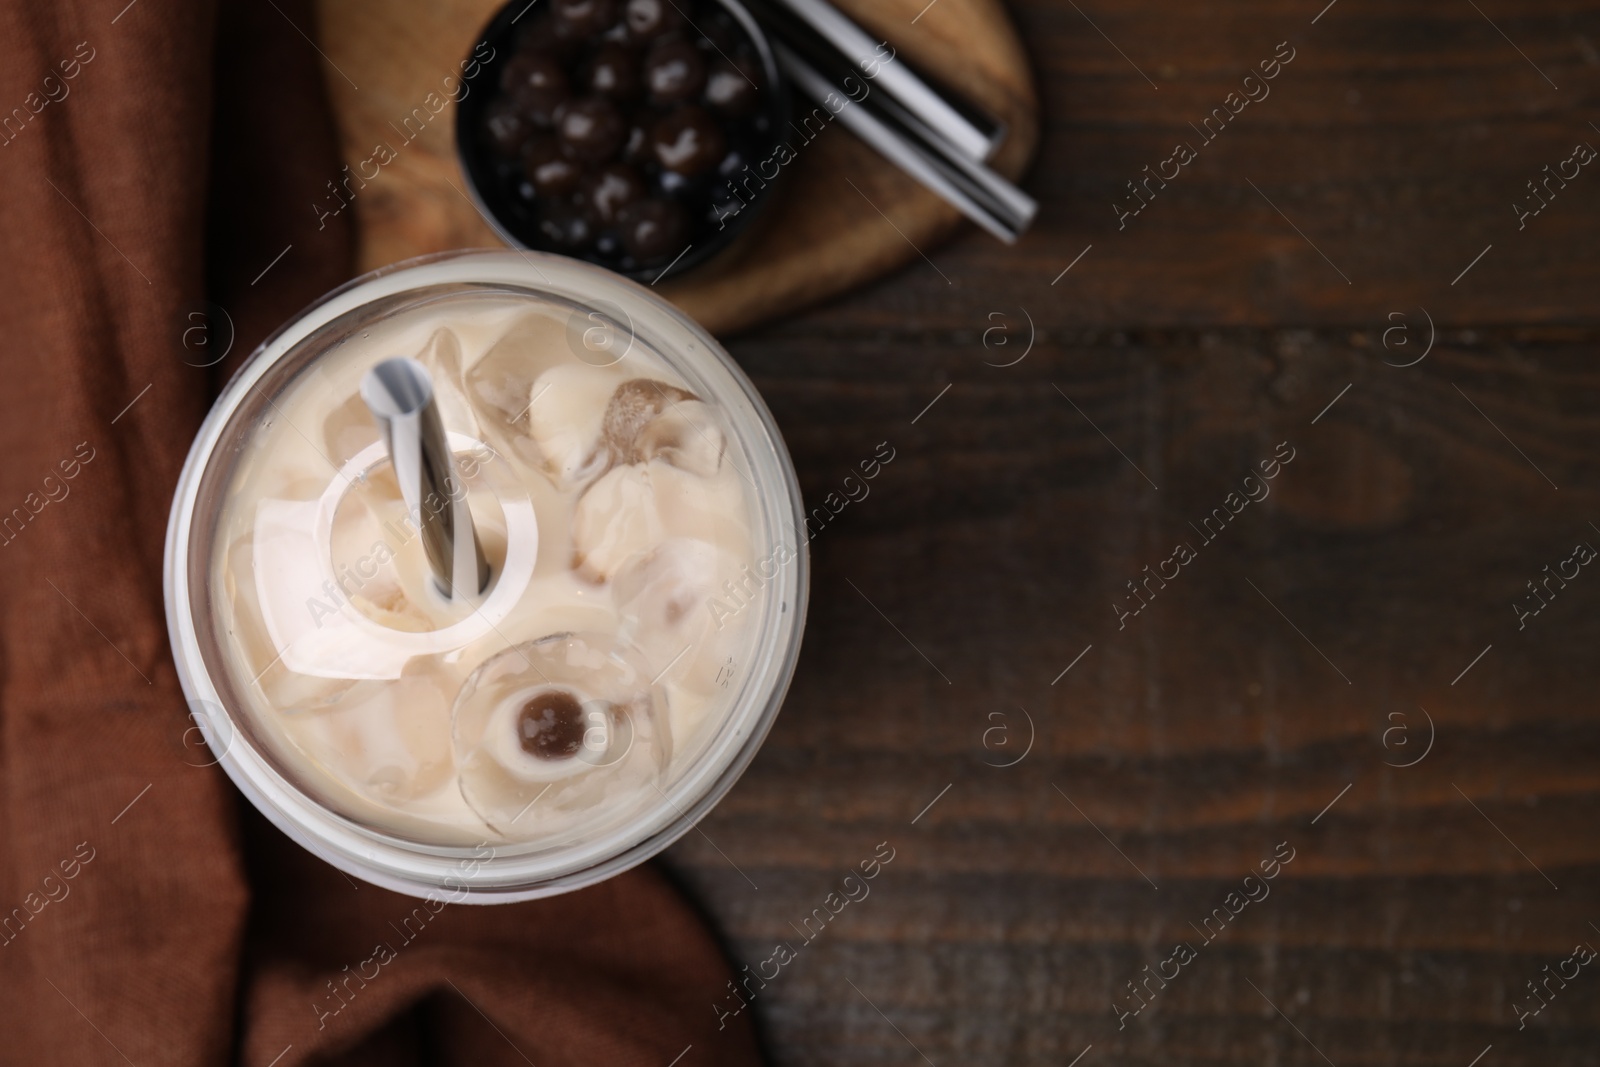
(1373, 611)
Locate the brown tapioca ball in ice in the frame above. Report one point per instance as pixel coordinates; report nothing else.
(646, 419)
(591, 129)
(578, 19)
(551, 725)
(634, 404)
(651, 18)
(688, 141)
(624, 744)
(652, 230)
(674, 71)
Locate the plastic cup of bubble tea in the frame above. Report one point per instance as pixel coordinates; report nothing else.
(483, 576)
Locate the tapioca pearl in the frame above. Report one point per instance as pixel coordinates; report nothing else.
(552, 725)
(652, 230)
(591, 129)
(674, 71)
(578, 19)
(651, 18)
(688, 141)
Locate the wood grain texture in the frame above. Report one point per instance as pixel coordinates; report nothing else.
(1396, 141)
(1209, 729)
(840, 217)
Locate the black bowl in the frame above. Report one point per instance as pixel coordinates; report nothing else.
(718, 205)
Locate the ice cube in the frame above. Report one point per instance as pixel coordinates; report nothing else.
(682, 605)
(347, 430)
(615, 520)
(550, 731)
(286, 690)
(390, 742)
(635, 404)
(687, 434)
(500, 385)
(377, 555)
(632, 509)
(566, 413)
(690, 606)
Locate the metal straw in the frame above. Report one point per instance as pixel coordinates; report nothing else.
(973, 135)
(939, 173)
(920, 132)
(399, 394)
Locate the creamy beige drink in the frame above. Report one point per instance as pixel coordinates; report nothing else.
(617, 514)
(552, 698)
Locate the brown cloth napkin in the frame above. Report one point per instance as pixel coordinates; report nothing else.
(155, 155)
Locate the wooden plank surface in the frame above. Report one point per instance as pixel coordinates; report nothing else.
(1255, 700)
(1199, 736)
(1396, 141)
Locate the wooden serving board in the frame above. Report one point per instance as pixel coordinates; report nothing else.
(817, 238)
